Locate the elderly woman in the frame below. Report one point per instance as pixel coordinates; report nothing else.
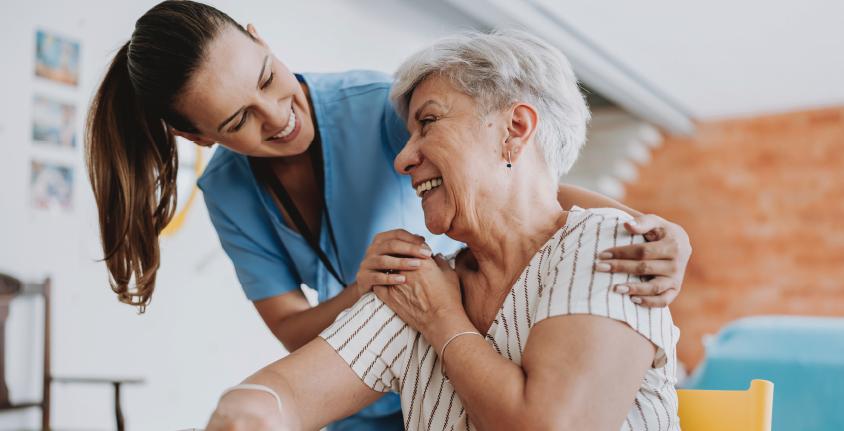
(518, 330)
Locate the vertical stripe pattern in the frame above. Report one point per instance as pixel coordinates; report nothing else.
(560, 279)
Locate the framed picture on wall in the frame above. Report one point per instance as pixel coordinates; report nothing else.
(56, 58)
(53, 123)
(51, 186)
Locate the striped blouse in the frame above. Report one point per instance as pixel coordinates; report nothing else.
(388, 355)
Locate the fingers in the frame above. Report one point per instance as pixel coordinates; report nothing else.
(642, 251)
(400, 247)
(658, 292)
(661, 300)
(638, 267)
(442, 263)
(399, 234)
(650, 225)
(374, 278)
(387, 263)
(653, 287)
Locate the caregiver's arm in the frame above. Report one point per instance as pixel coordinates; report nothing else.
(570, 195)
(316, 387)
(662, 259)
(294, 322)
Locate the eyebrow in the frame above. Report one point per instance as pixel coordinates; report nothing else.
(233, 116)
(424, 105)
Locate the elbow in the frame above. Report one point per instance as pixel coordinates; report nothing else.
(290, 342)
(288, 339)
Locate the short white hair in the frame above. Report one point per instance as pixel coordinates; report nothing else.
(499, 69)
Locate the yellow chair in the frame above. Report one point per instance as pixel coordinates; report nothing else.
(705, 410)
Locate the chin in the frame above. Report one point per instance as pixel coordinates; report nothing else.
(436, 225)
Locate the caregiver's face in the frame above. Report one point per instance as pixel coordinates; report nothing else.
(451, 155)
(243, 97)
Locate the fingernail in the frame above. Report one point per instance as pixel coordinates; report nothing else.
(425, 251)
(636, 300)
(605, 255)
(414, 262)
(622, 289)
(602, 267)
(398, 278)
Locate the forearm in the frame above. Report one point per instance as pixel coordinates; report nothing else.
(491, 387)
(298, 329)
(315, 386)
(569, 196)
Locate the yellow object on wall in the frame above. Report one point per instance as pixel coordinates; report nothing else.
(709, 410)
(185, 202)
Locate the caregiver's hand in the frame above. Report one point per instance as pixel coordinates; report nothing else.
(390, 253)
(246, 411)
(662, 260)
(431, 293)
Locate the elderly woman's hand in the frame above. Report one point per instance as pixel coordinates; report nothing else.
(662, 260)
(390, 253)
(430, 293)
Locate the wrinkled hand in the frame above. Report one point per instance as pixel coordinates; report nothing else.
(390, 253)
(245, 411)
(430, 293)
(662, 261)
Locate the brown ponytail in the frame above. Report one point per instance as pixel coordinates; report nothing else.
(132, 165)
(130, 151)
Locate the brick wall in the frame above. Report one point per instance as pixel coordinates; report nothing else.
(763, 202)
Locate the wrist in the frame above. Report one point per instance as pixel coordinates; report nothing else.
(354, 292)
(444, 325)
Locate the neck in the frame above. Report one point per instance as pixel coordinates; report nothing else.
(505, 241)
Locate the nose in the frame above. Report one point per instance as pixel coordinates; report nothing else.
(408, 158)
(274, 113)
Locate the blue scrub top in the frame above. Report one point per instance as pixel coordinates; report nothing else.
(361, 135)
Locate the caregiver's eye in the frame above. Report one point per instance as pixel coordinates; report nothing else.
(269, 81)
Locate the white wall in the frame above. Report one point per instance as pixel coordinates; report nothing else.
(722, 58)
(200, 334)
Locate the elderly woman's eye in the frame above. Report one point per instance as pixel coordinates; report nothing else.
(426, 121)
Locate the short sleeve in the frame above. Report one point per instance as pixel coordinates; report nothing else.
(395, 129)
(570, 285)
(261, 272)
(373, 340)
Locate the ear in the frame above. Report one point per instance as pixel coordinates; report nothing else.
(196, 139)
(521, 128)
(254, 33)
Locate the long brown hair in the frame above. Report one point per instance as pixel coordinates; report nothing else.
(130, 151)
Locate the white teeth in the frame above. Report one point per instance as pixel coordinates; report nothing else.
(428, 185)
(291, 124)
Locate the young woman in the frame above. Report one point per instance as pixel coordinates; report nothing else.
(301, 185)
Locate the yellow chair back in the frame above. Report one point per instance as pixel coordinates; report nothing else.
(707, 410)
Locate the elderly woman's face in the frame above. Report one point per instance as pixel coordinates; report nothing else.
(453, 155)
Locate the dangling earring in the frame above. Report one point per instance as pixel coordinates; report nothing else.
(509, 163)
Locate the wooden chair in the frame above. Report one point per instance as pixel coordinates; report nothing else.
(750, 410)
(12, 288)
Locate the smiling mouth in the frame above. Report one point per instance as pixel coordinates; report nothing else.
(426, 186)
(288, 130)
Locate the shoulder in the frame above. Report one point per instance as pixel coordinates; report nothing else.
(337, 86)
(596, 227)
(219, 168)
(569, 256)
(226, 176)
